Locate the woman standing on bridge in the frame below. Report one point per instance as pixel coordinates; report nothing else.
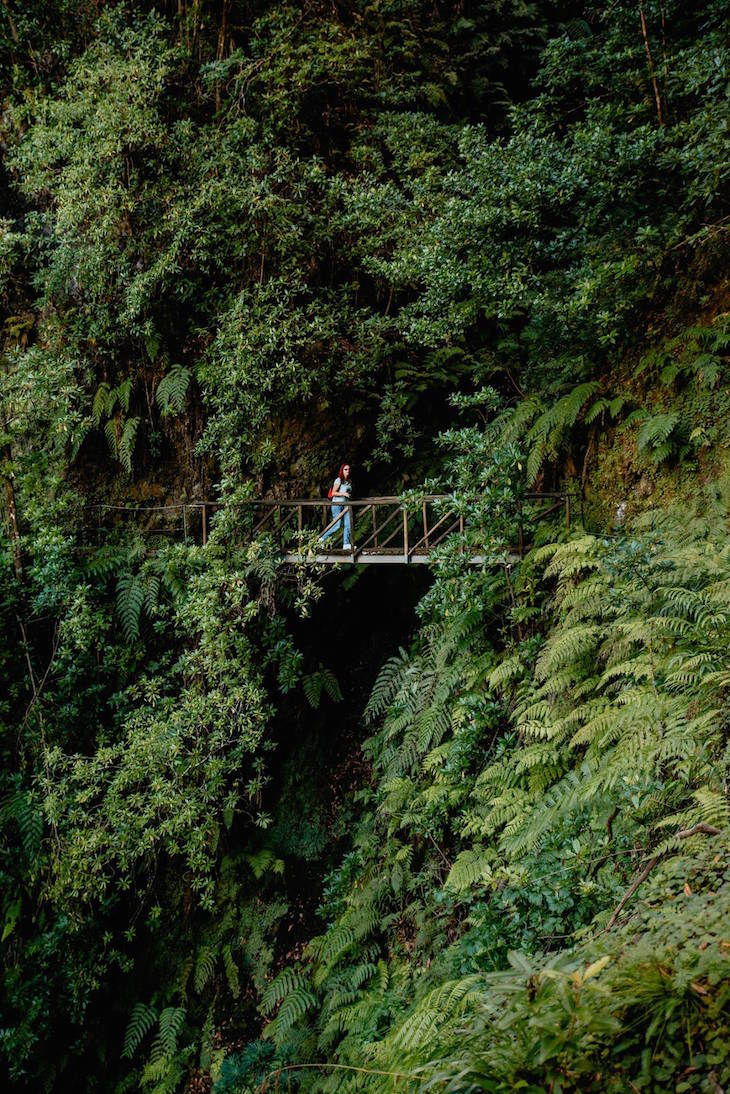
(341, 494)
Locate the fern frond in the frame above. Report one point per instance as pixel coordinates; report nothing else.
(231, 970)
(18, 805)
(100, 406)
(204, 967)
(172, 389)
(288, 981)
(547, 432)
(130, 600)
(293, 1008)
(386, 684)
(126, 443)
(141, 1021)
(110, 432)
(566, 645)
(78, 437)
(123, 393)
(470, 868)
(170, 1027)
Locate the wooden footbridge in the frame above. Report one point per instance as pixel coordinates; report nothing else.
(385, 530)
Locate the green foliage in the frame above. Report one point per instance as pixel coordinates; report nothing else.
(282, 985)
(549, 431)
(471, 867)
(204, 967)
(172, 389)
(625, 1009)
(555, 763)
(656, 435)
(238, 241)
(142, 1019)
(175, 766)
(264, 861)
(130, 600)
(232, 975)
(634, 617)
(317, 683)
(169, 1029)
(126, 443)
(19, 806)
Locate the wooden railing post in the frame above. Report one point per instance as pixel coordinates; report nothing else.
(185, 524)
(405, 534)
(300, 526)
(204, 518)
(375, 528)
(567, 511)
(425, 525)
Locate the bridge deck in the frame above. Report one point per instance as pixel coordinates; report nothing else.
(370, 558)
(378, 558)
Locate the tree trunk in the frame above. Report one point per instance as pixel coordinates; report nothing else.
(12, 515)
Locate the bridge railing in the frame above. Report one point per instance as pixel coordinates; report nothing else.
(382, 526)
(386, 525)
(184, 520)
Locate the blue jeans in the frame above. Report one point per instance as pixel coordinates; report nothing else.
(347, 528)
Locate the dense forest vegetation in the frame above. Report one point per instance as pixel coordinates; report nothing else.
(462, 827)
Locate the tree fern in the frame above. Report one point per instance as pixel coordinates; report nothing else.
(112, 404)
(332, 946)
(610, 407)
(565, 646)
(442, 1004)
(106, 561)
(514, 424)
(123, 393)
(265, 861)
(111, 433)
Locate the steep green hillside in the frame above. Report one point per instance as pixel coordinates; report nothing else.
(263, 824)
